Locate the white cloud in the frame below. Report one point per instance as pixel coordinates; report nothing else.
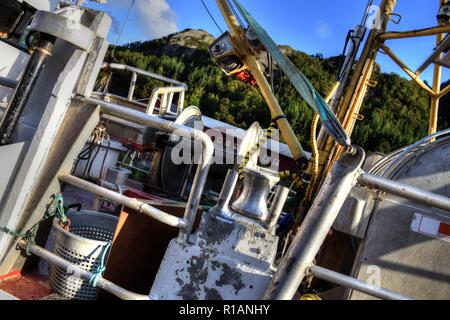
(322, 29)
(155, 18)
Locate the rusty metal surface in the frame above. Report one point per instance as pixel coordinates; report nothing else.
(27, 287)
(225, 261)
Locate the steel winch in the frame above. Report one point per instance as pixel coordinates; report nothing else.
(232, 253)
(253, 199)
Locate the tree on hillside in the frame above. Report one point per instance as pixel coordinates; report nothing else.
(395, 111)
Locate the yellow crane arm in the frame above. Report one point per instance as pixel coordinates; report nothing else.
(238, 38)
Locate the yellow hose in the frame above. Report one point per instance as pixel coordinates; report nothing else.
(291, 175)
(310, 297)
(315, 156)
(315, 151)
(314, 147)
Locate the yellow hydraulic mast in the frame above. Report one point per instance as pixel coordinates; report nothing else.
(434, 111)
(357, 88)
(349, 108)
(241, 46)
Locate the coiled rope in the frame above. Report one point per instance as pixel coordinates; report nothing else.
(268, 135)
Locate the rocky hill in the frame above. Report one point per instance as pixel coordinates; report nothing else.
(187, 44)
(183, 44)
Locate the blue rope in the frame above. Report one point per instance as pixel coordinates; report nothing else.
(59, 210)
(54, 209)
(101, 268)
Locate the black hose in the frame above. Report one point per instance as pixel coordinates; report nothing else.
(343, 55)
(25, 86)
(84, 155)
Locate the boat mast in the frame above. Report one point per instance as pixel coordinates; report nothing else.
(350, 107)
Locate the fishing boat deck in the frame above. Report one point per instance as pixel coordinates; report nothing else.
(34, 284)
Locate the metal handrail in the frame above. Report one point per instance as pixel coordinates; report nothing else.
(176, 129)
(102, 283)
(185, 223)
(352, 283)
(9, 83)
(167, 93)
(166, 101)
(118, 66)
(405, 191)
(131, 203)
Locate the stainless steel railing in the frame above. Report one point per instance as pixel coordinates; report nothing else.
(164, 94)
(170, 127)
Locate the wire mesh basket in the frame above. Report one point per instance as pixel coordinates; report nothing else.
(90, 233)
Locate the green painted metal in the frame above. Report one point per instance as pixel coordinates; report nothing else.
(298, 80)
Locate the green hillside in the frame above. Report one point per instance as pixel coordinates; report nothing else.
(395, 111)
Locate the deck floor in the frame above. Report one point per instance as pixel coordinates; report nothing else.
(28, 286)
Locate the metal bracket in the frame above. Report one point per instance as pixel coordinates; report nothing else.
(395, 21)
(372, 83)
(63, 28)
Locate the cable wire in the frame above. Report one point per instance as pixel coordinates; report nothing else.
(212, 17)
(280, 86)
(236, 13)
(123, 27)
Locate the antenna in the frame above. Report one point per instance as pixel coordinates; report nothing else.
(123, 26)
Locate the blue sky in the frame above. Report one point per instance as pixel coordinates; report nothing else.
(311, 26)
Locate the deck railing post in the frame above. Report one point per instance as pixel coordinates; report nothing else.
(315, 227)
(352, 283)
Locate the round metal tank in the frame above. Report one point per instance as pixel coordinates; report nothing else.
(47, 5)
(407, 246)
